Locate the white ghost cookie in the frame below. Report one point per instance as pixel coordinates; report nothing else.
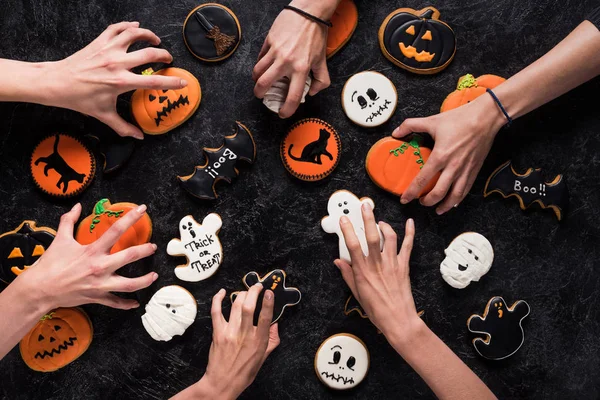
(468, 258)
(276, 95)
(369, 98)
(342, 361)
(200, 245)
(345, 203)
(169, 312)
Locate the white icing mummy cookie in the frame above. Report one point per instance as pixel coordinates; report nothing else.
(369, 98)
(169, 312)
(200, 245)
(345, 203)
(342, 361)
(468, 258)
(276, 95)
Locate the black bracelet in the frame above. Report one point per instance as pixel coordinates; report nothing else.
(508, 118)
(309, 16)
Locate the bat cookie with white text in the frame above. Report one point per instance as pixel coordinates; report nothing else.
(342, 361)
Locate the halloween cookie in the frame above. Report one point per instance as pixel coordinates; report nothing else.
(59, 338)
(344, 21)
(417, 40)
(369, 98)
(200, 245)
(529, 188)
(62, 166)
(114, 149)
(344, 203)
(311, 149)
(274, 281)
(353, 306)
(342, 361)
(22, 247)
(501, 326)
(169, 313)
(468, 89)
(158, 111)
(104, 216)
(212, 32)
(220, 164)
(469, 257)
(276, 95)
(392, 164)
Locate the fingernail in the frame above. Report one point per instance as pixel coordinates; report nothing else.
(403, 201)
(258, 284)
(139, 137)
(136, 23)
(269, 295)
(395, 132)
(154, 276)
(366, 206)
(75, 207)
(421, 202)
(344, 220)
(221, 290)
(184, 83)
(154, 246)
(136, 304)
(439, 211)
(141, 209)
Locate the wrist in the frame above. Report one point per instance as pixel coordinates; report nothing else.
(207, 388)
(321, 9)
(489, 114)
(403, 335)
(27, 291)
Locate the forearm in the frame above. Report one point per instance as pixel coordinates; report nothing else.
(24, 81)
(323, 9)
(204, 389)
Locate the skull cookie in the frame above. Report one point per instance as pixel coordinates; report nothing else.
(342, 361)
(369, 98)
(468, 258)
(170, 312)
(200, 245)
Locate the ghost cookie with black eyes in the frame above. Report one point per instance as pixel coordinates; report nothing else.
(468, 258)
(369, 98)
(342, 361)
(169, 313)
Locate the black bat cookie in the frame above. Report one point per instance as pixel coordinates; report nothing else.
(502, 327)
(220, 164)
(274, 281)
(529, 188)
(352, 305)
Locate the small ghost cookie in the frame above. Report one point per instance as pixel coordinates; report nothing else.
(169, 313)
(501, 326)
(342, 361)
(276, 95)
(200, 245)
(345, 203)
(369, 98)
(468, 258)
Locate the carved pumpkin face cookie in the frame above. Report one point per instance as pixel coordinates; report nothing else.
(468, 89)
(344, 21)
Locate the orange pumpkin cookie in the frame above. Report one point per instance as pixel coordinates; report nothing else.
(344, 21)
(468, 89)
(392, 164)
(311, 150)
(159, 111)
(62, 166)
(58, 339)
(106, 214)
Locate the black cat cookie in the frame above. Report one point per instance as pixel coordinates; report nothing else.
(220, 164)
(501, 326)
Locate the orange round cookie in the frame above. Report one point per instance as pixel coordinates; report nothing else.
(62, 166)
(344, 21)
(311, 149)
(468, 89)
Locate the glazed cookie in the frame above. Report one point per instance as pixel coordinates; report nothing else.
(169, 313)
(353, 306)
(22, 247)
(62, 166)
(345, 203)
(276, 95)
(469, 257)
(220, 164)
(369, 98)
(200, 245)
(212, 32)
(417, 40)
(159, 111)
(529, 188)
(342, 361)
(501, 326)
(114, 150)
(344, 21)
(311, 149)
(468, 89)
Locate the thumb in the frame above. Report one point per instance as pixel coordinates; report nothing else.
(411, 125)
(120, 126)
(67, 222)
(320, 78)
(273, 339)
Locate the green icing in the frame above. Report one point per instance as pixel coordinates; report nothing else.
(99, 210)
(414, 143)
(467, 81)
(47, 316)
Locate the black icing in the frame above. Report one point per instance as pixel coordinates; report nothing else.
(194, 32)
(114, 149)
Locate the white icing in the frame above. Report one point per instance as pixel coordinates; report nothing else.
(201, 245)
(169, 312)
(348, 367)
(369, 98)
(345, 203)
(472, 253)
(276, 95)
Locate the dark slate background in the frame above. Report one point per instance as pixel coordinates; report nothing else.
(271, 220)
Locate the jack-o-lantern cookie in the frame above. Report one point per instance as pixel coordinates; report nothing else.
(62, 166)
(311, 149)
(58, 339)
(417, 40)
(212, 32)
(22, 247)
(342, 361)
(158, 111)
(369, 98)
(104, 216)
(344, 21)
(468, 89)
(468, 257)
(169, 313)
(392, 164)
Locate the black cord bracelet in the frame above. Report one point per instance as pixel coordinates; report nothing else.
(309, 16)
(508, 118)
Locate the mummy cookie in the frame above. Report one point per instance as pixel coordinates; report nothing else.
(170, 312)
(200, 245)
(342, 361)
(369, 98)
(276, 95)
(501, 326)
(468, 258)
(345, 203)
